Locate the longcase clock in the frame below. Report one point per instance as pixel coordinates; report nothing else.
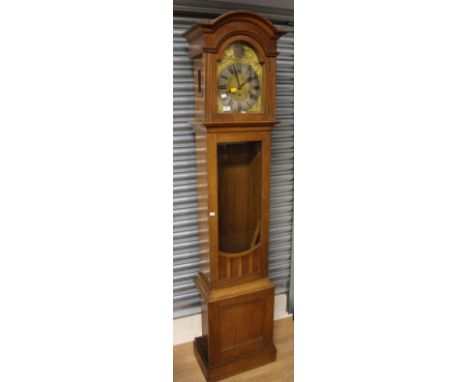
(234, 60)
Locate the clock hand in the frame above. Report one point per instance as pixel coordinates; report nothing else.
(247, 80)
(237, 77)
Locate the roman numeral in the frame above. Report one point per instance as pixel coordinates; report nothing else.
(256, 87)
(223, 76)
(253, 96)
(230, 69)
(222, 87)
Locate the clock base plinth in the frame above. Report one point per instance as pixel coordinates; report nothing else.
(231, 367)
(237, 324)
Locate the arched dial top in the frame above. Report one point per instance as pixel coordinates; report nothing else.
(240, 80)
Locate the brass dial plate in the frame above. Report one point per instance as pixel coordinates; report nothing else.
(239, 80)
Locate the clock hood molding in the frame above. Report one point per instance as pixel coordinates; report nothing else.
(205, 36)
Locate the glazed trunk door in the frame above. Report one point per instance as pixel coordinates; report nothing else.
(242, 199)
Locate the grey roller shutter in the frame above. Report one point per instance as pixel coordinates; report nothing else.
(186, 299)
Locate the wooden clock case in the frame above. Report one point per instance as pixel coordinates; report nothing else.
(233, 181)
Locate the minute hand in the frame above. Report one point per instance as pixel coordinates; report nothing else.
(237, 77)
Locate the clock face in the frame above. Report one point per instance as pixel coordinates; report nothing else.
(239, 80)
(238, 87)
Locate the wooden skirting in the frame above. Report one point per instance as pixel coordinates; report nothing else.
(186, 368)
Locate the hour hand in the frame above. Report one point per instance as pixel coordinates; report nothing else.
(247, 80)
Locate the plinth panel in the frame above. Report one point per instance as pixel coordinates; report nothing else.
(241, 326)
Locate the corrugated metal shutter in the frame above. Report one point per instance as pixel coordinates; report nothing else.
(185, 227)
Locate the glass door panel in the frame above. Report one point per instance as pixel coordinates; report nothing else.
(239, 195)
